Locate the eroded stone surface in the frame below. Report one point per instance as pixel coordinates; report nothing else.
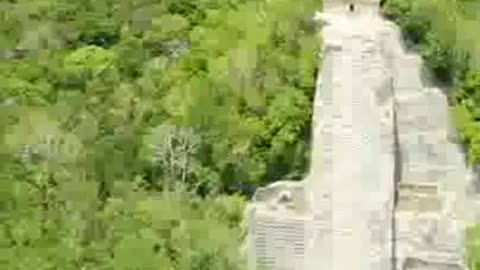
(386, 187)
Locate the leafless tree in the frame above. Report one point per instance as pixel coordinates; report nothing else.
(172, 148)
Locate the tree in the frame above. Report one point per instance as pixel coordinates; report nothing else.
(139, 120)
(172, 148)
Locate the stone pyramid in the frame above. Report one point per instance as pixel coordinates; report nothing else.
(386, 189)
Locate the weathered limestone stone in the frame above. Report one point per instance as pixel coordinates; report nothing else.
(386, 187)
(277, 227)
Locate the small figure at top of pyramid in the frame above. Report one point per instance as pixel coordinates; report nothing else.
(352, 5)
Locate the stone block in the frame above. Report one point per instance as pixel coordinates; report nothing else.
(406, 75)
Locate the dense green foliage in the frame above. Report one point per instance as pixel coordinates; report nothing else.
(446, 34)
(473, 247)
(126, 126)
(62, 228)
